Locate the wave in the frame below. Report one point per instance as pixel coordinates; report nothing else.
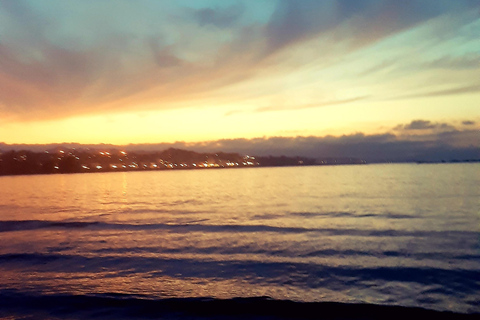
(344, 214)
(15, 304)
(299, 274)
(22, 225)
(285, 253)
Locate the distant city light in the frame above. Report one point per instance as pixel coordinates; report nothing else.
(86, 161)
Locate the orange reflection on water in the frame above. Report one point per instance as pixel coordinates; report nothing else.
(269, 231)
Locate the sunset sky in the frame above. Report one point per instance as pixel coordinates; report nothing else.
(121, 72)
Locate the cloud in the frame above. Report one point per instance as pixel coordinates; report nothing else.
(219, 17)
(57, 62)
(300, 106)
(468, 123)
(419, 125)
(294, 21)
(367, 21)
(470, 61)
(27, 24)
(308, 106)
(429, 146)
(163, 55)
(42, 77)
(424, 125)
(444, 92)
(460, 145)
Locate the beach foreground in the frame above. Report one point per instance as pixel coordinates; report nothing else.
(21, 306)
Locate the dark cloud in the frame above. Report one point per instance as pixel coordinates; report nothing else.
(219, 17)
(419, 125)
(290, 23)
(163, 55)
(297, 20)
(460, 145)
(468, 123)
(424, 125)
(294, 21)
(451, 145)
(369, 21)
(465, 138)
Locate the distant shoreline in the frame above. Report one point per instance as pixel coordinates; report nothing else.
(220, 168)
(62, 160)
(87, 160)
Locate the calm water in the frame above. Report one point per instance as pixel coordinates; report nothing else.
(404, 235)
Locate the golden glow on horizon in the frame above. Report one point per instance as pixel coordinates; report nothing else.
(230, 122)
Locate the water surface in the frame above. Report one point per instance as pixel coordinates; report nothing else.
(397, 234)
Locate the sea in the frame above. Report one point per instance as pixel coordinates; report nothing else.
(330, 242)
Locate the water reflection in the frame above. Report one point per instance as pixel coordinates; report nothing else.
(370, 233)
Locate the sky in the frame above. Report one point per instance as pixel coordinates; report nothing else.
(208, 72)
